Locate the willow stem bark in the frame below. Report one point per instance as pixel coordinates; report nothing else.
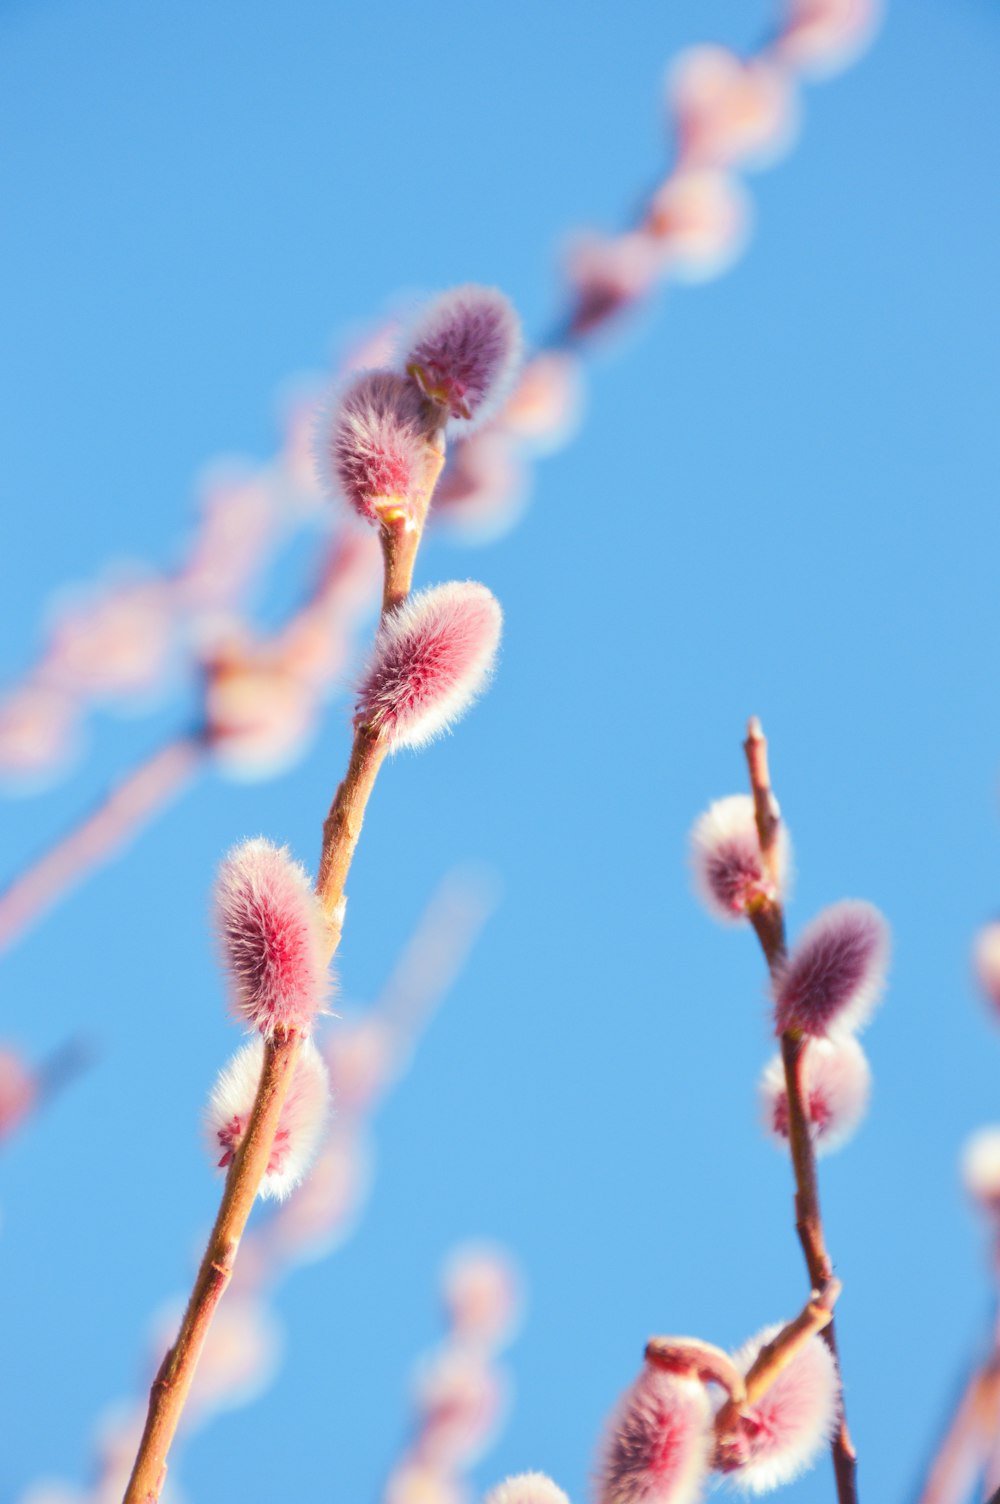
(768, 920)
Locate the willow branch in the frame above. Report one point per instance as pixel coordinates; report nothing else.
(768, 920)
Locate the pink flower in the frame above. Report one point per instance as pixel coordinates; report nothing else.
(820, 37)
(544, 408)
(657, 1451)
(300, 1125)
(784, 1431)
(725, 857)
(482, 1294)
(527, 1488)
(482, 490)
(273, 938)
(729, 111)
(835, 974)
(837, 1082)
(464, 350)
(702, 219)
(433, 655)
(373, 447)
(610, 275)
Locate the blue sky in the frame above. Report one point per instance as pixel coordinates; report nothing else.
(783, 500)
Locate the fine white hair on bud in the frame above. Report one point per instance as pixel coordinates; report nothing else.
(837, 1080)
(300, 1126)
(433, 656)
(464, 351)
(373, 447)
(726, 862)
(527, 1488)
(981, 1169)
(657, 1448)
(835, 974)
(784, 1431)
(272, 933)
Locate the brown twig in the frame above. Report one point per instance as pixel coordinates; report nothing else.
(768, 920)
(340, 837)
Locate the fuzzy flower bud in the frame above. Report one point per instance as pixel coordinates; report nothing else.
(482, 1294)
(702, 219)
(728, 110)
(300, 1125)
(373, 447)
(464, 351)
(433, 655)
(657, 1451)
(820, 37)
(725, 856)
(784, 1431)
(834, 976)
(272, 931)
(981, 1169)
(527, 1488)
(837, 1080)
(986, 959)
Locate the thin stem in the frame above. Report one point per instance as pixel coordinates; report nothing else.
(118, 818)
(342, 827)
(768, 920)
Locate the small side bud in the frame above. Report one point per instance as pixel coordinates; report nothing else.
(730, 111)
(373, 448)
(702, 219)
(837, 1080)
(835, 974)
(784, 1431)
(464, 351)
(981, 1169)
(300, 1125)
(657, 1450)
(271, 928)
(527, 1488)
(986, 960)
(820, 37)
(482, 1294)
(433, 655)
(729, 874)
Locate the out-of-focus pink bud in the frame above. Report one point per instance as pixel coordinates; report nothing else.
(784, 1431)
(235, 528)
(482, 1294)
(238, 1361)
(464, 351)
(321, 1212)
(258, 715)
(986, 958)
(819, 37)
(273, 936)
(18, 1090)
(361, 1056)
(418, 1482)
(433, 656)
(117, 642)
(610, 275)
(300, 1125)
(38, 731)
(657, 1450)
(981, 1169)
(527, 1488)
(373, 448)
(836, 972)
(461, 1399)
(703, 220)
(837, 1082)
(729, 874)
(729, 111)
(482, 490)
(544, 408)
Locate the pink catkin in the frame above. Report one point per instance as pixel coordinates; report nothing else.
(272, 932)
(822, 36)
(726, 861)
(658, 1446)
(729, 111)
(784, 1432)
(372, 447)
(433, 655)
(464, 350)
(833, 977)
(527, 1488)
(837, 1081)
(300, 1126)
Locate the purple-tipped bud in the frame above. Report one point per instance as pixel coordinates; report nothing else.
(464, 351)
(273, 938)
(527, 1488)
(981, 1169)
(433, 655)
(300, 1126)
(373, 448)
(784, 1431)
(833, 977)
(729, 874)
(657, 1450)
(837, 1081)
